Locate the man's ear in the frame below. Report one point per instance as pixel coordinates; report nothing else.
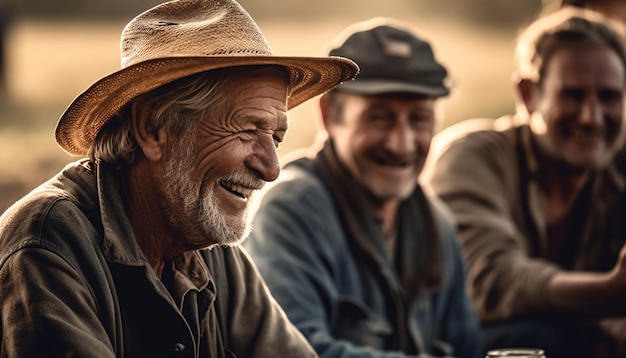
(325, 111)
(527, 94)
(151, 139)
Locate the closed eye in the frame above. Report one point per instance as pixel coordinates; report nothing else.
(610, 96)
(278, 137)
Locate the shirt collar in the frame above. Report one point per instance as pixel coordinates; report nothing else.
(188, 272)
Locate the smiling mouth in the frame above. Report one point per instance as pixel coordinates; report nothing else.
(586, 140)
(237, 189)
(395, 163)
(586, 136)
(390, 160)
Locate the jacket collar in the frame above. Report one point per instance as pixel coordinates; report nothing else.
(418, 235)
(119, 245)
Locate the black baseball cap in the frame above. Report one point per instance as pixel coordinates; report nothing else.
(392, 59)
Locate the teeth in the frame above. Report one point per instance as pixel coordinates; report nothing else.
(245, 192)
(586, 135)
(583, 137)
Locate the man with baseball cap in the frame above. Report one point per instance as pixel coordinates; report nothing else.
(364, 264)
(132, 251)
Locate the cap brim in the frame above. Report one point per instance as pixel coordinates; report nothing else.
(373, 87)
(85, 116)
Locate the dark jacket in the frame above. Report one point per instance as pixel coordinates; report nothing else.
(73, 282)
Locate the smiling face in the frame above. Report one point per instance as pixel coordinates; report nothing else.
(209, 177)
(383, 140)
(577, 111)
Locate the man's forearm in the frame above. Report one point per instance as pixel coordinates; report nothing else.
(597, 294)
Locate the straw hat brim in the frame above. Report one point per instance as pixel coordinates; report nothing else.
(92, 109)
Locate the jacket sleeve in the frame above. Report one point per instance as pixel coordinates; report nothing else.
(477, 178)
(455, 312)
(258, 327)
(47, 310)
(295, 251)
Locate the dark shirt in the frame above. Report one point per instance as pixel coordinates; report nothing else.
(74, 282)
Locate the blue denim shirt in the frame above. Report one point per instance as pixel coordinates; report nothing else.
(343, 300)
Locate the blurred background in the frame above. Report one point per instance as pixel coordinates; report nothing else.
(54, 49)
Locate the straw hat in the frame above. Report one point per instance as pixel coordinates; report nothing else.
(181, 38)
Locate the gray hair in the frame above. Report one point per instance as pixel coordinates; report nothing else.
(178, 107)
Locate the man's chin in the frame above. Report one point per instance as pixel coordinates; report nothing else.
(236, 236)
(586, 164)
(396, 193)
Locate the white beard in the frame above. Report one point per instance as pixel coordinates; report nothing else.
(202, 222)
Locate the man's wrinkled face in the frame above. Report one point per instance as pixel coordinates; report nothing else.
(232, 154)
(383, 140)
(580, 106)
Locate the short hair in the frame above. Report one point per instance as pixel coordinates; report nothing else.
(178, 107)
(567, 27)
(579, 3)
(335, 102)
(550, 6)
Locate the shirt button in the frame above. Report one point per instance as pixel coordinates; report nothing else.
(179, 347)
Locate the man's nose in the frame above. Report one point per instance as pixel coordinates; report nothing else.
(401, 139)
(591, 112)
(264, 160)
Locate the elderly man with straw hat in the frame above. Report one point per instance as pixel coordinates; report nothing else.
(132, 251)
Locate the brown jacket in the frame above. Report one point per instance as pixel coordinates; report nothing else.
(488, 178)
(73, 282)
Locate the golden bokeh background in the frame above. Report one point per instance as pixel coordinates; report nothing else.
(55, 49)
